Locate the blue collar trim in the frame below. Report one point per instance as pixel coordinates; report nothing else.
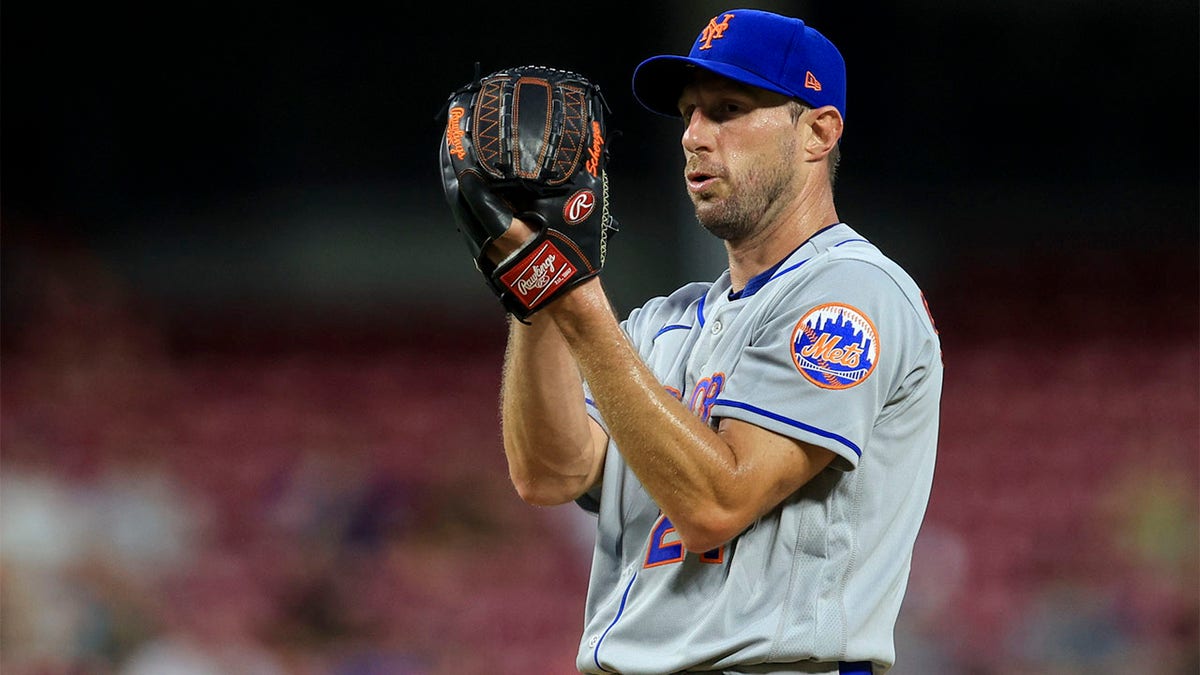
(759, 280)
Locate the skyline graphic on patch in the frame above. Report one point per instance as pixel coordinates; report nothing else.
(835, 346)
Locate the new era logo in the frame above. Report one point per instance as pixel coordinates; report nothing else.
(811, 81)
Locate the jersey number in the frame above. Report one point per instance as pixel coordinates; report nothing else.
(705, 395)
(664, 552)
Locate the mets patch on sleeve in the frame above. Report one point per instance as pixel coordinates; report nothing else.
(835, 346)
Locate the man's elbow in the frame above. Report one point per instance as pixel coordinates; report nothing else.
(546, 491)
(708, 531)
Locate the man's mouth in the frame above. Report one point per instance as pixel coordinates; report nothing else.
(698, 181)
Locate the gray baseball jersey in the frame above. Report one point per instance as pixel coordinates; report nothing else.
(834, 347)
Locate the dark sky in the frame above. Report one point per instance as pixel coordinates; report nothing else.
(108, 109)
(975, 131)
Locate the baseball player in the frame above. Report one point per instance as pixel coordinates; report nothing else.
(758, 449)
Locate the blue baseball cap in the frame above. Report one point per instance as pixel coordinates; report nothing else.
(758, 48)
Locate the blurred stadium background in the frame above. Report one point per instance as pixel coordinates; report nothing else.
(249, 376)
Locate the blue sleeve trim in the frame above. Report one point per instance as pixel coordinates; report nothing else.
(700, 310)
(849, 241)
(664, 329)
(789, 421)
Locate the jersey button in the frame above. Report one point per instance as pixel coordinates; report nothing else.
(716, 327)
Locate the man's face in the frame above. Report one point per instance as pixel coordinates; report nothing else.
(740, 147)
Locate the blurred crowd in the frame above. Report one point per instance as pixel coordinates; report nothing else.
(297, 511)
(171, 508)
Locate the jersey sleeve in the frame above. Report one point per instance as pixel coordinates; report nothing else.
(826, 358)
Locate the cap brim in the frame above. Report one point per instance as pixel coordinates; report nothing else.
(658, 81)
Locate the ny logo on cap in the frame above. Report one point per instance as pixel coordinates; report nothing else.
(714, 31)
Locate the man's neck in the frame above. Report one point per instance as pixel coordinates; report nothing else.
(771, 244)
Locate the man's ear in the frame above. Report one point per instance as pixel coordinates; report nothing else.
(826, 124)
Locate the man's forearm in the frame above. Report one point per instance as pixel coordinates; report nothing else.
(684, 465)
(548, 439)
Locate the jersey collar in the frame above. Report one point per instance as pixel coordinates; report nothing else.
(759, 280)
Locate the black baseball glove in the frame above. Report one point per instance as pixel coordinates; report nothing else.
(530, 142)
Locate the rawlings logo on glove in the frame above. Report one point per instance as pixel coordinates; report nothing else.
(530, 143)
(541, 274)
(454, 134)
(579, 207)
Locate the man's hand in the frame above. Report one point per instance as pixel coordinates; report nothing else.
(529, 145)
